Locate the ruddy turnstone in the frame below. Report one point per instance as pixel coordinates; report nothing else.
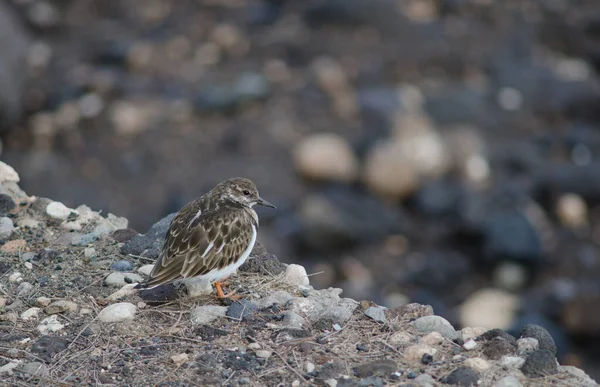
(211, 236)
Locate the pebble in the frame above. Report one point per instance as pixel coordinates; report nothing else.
(9, 367)
(89, 252)
(27, 222)
(540, 333)
(8, 174)
(145, 270)
(13, 246)
(539, 364)
(508, 381)
(122, 265)
(180, 358)
(414, 353)
(471, 333)
(6, 228)
(117, 312)
(377, 313)
(386, 172)
(61, 307)
(400, 338)
(2, 302)
(279, 297)
(381, 367)
(35, 368)
(331, 383)
(326, 157)
(50, 325)
(490, 308)
(572, 211)
(253, 346)
(28, 265)
(512, 361)
(24, 289)
(295, 275)
(57, 210)
(433, 338)
(125, 291)
(197, 287)
(206, 314)
(470, 344)
(462, 376)
(510, 276)
(264, 354)
(119, 279)
(293, 320)
(439, 324)
(241, 309)
(42, 301)
(526, 345)
(30, 313)
(309, 367)
(15, 277)
(324, 304)
(477, 363)
(425, 380)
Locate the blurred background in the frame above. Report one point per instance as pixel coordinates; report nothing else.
(445, 152)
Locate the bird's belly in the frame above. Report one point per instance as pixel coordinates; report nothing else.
(218, 274)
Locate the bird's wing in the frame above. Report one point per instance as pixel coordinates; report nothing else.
(197, 243)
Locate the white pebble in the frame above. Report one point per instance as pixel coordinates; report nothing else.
(57, 210)
(50, 324)
(42, 301)
(309, 367)
(15, 277)
(8, 174)
(28, 265)
(180, 358)
(512, 361)
(119, 279)
(253, 346)
(89, 252)
(126, 290)
(470, 344)
(146, 269)
(264, 354)
(295, 275)
(117, 312)
(30, 313)
(205, 314)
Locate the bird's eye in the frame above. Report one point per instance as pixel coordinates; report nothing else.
(246, 192)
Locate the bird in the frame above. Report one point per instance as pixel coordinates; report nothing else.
(210, 237)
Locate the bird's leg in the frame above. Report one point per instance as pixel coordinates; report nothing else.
(230, 295)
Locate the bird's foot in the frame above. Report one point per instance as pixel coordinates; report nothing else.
(230, 295)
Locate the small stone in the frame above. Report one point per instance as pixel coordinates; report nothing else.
(279, 297)
(470, 344)
(197, 287)
(24, 289)
(27, 222)
(296, 383)
(377, 313)
(117, 312)
(49, 325)
(439, 324)
(86, 312)
(241, 309)
(28, 256)
(61, 307)
(512, 362)
(28, 265)
(89, 252)
(8, 174)
(42, 301)
(327, 157)
(383, 368)
(2, 302)
(180, 358)
(462, 376)
(122, 265)
(295, 275)
(254, 346)
(386, 172)
(471, 333)
(510, 276)
(539, 364)
(414, 353)
(400, 338)
(477, 363)
(309, 367)
(6, 228)
(293, 320)
(57, 210)
(123, 235)
(508, 381)
(145, 270)
(206, 314)
(125, 291)
(30, 313)
(433, 338)
(572, 211)
(35, 368)
(9, 367)
(118, 279)
(543, 337)
(264, 354)
(425, 380)
(13, 246)
(526, 345)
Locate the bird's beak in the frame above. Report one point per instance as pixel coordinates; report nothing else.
(263, 202)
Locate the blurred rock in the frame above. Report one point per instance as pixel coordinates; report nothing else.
(337, 217)
(14, 46)
(510, 235)
(490, 308)
(510, 276)
(6, 228)
(327, 157)
(388, 171)
(468, 153)
(572, 211)
(224, 98)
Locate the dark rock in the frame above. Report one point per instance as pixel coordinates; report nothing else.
(509, 235)
(456, 105)
(209, 333)
(412, 375)
(383, 368)
(241, 309)
(539, 364)
(6, 204)
(265, 264)
(43, 280)
(137, 245)
(495, 333)
(238, 361)
(363, 347)
(150, 243)
(439, 198)
(438, 271)
(331, 370)
(462, 376)
(122, 265)
(46, 255)
(427, 359)
(159, 295)
(345, 218)
(557, 332)
(48, 346)
(498, 347)
(543, 337)
(124, 235)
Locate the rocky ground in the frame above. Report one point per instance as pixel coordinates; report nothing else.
(70, 316)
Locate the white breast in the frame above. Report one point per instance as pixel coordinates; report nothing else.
(216, 275)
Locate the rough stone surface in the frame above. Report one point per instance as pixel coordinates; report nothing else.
(539, 364)
(207, 313)
(414, 353)
(325, 304)
(61, 306)
(197, 287)
(6, 228)
(279, 297)
(462, 376)
(539, 333)
(382, 368)
(508, 381)
(57, 210)
(377, 313)
(117, 312)
(295, 275)
(119, 279)
(439, 324)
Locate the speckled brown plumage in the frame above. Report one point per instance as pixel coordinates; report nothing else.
(210, 234)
